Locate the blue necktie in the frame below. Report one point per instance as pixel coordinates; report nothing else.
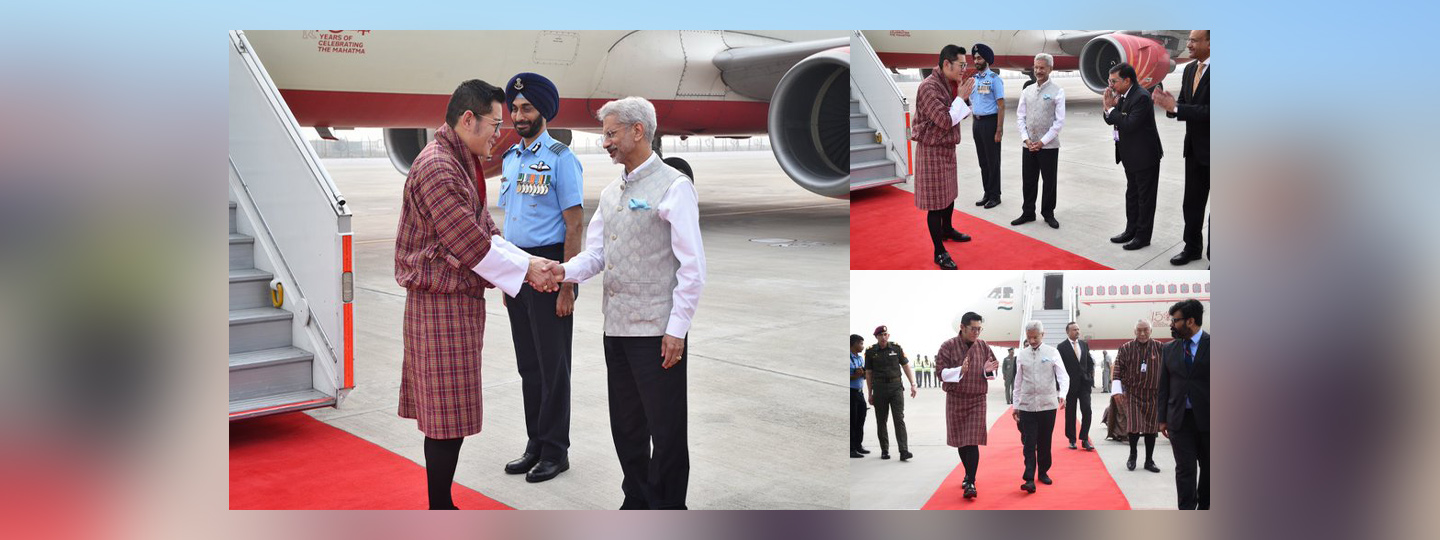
(1189, 357)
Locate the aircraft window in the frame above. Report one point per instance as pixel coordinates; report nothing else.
(1089, 291)
(1195, 288)
(1172, 289)
(1207, 286)
(1112, 293)
(1124, 289)
(1149, 289)
(1185, 288)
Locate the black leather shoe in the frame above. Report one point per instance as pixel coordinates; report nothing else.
(982, 201)
(1023, 219)
(957, 236)
(1087, 446)
(1150, 466)
(1130, 463)
(970, 492)
(1122, 237)
(1045, 479)
(993, 203)
(1072, 445)
(884, 455)
(1050, 220)
(944, 261)
(546, 470)
(905, 456)
(1028, 487)
(1183, 258)
(862, 450)
(855, 454)
(1136, 244)
(523, 465)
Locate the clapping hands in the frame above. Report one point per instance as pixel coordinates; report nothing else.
(544, 274)
(1165, 100)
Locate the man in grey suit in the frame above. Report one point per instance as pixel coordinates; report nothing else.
(1184, 403)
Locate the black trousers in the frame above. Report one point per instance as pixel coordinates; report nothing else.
(647, 409)
(1077, 400)
(1140, 186)
(1034, 166)
(987, 152)
(1191, 447)
(542, 355)
(1036, 430)
(857, 418)
(890, 400)
(1197, 193)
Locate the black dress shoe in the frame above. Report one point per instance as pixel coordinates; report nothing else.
(957, 236)
(855, 454)
(1072, 445)
(1122, 237)
(523, 465)
(1150, 466)
(1026, 218)
(993, 203)
(970, 492)
(1130, 463)
(982, 201)
(1183, 258)
(1028, 486)
(884, 455)
(862, 450)
(546, 470)
(905, 456)
(944, 261)
(1087, 446)
(1050, 220)
(1136, 244)
(1045, 479)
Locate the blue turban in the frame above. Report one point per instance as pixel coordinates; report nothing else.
(984, 51)
(536, 89)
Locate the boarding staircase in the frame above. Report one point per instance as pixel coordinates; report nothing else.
(291, 285)
(879, 121)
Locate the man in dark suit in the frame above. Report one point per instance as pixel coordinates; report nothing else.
(1137, 147)
(1075, 354)
(1184, 403)
(1193, 108)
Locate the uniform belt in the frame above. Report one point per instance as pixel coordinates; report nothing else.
(985, 115)
(879, 380)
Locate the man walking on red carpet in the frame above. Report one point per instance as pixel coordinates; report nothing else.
(936, 133)
(1040, 388)
(963, 361)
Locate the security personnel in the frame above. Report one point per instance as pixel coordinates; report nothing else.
(987, 103)
(541, 192)
(884, 362)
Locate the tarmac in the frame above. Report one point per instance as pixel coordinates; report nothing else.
(1090, 186)
(763, 393)
(877, 484)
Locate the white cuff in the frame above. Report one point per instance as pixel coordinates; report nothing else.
(950, 374)
(504, 265)
(958, 111)
(1115, 387)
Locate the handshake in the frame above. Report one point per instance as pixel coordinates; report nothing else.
(544, 275)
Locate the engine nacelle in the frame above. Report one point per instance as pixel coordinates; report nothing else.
(809, 123)
(1149, 58)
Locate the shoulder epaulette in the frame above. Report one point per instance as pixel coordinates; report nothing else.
(558, 147)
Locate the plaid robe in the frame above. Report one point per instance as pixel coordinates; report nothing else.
(444, 231)
(1141, 389)
(965, 400)
(936, 173)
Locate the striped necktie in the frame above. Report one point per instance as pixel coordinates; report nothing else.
(1195, 84)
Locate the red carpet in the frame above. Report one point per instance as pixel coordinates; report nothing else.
(887, 232)
(1081, 481)
(293, 461)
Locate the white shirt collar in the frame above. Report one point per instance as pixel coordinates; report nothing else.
(636, 172)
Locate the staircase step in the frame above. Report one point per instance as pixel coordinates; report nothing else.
(269, 372)
(871, 170)
(278, 403)
(259, 328)
(268, 357)
(867, 152)
(859, 120)
(877, 182)
(232, 217)
(249, 288)
(242, 251)
(862, 136)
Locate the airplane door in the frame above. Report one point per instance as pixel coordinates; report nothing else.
(701, 78)
(1054, 291)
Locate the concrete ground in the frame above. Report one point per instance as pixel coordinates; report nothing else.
(765, 400)
(877, 484)
(1090, 185)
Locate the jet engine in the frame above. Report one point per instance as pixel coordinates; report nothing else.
(1149, 58)
(809, 123)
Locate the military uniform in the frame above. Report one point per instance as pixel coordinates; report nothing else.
(539, 182)
(888, 389)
